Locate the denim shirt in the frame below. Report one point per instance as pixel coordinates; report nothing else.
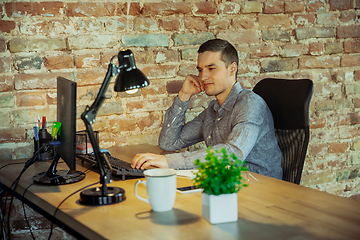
(242, 125)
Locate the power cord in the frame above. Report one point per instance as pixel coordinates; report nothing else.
(27, 222)
(23, 204)
(11, 164)
(15, 183)
(3, 209)
(3, 232)
(3, 191)
(52, 222)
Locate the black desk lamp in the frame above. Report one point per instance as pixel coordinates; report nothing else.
(129, 79)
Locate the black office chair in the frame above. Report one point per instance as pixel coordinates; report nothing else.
(289, 102)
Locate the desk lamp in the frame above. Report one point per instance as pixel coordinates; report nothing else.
(129, 79)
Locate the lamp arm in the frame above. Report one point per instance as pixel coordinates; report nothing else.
(88, 117)
(100, 98)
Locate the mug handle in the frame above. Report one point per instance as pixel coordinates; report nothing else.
(136, 184)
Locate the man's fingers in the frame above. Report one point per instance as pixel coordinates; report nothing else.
(197, 82)
(138, 160)
(194, 77)
(146, 165)
(145, 160)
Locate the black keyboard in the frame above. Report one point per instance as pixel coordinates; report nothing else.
(118, 166)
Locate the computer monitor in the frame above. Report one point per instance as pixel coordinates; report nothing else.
(66, 115)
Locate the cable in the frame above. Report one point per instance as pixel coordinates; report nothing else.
(52, 222)
(3, 209)
(24, 197)
(11, 164)
(32, 235)
(3, 232)
(11, 201)
(16, 182)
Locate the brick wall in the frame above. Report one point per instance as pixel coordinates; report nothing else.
(316, 39)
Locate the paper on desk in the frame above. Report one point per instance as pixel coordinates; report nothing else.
(187, 173)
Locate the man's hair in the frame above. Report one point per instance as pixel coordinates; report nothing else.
(228, 51)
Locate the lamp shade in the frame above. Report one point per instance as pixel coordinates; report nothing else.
(129, 77)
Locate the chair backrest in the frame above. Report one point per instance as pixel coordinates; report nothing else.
(289, 101)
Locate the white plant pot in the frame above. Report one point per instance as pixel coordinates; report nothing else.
(220, 209)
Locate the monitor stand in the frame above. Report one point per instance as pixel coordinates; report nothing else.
(58, 177)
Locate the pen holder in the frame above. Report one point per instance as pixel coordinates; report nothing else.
(44, 140)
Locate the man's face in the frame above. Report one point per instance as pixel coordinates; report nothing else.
(216, 78)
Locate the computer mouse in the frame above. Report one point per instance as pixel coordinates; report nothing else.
(105, 151)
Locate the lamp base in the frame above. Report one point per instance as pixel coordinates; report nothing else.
(93, 196)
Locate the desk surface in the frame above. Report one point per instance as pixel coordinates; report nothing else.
(267, 209)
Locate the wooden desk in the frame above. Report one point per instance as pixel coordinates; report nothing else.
(268, 209)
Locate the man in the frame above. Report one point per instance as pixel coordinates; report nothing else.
(238, 120)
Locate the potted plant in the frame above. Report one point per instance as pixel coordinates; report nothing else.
(220, 177)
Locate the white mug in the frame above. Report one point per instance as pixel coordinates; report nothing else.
(160, 187)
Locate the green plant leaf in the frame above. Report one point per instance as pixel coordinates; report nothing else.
(220, 173)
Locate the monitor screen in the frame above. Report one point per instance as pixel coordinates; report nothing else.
(66, 114)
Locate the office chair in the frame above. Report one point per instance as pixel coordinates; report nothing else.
(289, 102)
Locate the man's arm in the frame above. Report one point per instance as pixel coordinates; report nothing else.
(174, 134)
(240, 141)
(241, 129)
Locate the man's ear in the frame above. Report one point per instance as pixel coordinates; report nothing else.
(233, 68)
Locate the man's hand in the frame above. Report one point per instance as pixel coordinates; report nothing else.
(191, 86)
(145, 160)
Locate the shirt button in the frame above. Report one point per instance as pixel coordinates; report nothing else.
(209, 137)
(180, 108)
(168, 125)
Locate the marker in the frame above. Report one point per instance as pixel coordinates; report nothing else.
(39, 125)
(43, 122)
(53, 132)
(55, 129)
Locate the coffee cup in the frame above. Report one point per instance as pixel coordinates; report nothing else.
(160, 187)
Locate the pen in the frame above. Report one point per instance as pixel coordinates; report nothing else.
(36, 134)
(39, 125)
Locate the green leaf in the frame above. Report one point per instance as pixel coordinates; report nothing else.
(219, 173)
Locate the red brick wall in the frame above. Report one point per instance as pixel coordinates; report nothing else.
(317, 39)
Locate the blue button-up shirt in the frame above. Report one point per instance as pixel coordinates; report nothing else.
(242, 125)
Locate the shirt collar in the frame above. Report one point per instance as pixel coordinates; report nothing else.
(230, 99)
